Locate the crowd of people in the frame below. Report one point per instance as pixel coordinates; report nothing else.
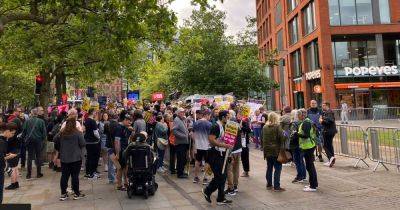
(74, 140)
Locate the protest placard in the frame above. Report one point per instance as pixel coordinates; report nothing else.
(245, 110)
(231, 131)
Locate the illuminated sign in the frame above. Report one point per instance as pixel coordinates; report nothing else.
(372, 71)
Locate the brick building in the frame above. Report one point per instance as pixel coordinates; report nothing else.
(332, 50)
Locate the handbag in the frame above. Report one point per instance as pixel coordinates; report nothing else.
(161, 143)
(284, 156)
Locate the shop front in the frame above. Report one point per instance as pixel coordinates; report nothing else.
(367, 70)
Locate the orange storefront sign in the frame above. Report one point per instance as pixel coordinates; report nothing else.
(368, 85)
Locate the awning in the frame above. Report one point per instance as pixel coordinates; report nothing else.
(367, 85)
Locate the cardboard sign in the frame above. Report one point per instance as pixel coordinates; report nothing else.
(86, 104)
(157, 96)
(149, 117)
(245, 110)
(224, 105)
(231, 131)
(218, 99)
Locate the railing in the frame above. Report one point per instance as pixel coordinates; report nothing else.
(379, 144)
(376, 113)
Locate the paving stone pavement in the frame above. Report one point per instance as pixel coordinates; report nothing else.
(341, 187)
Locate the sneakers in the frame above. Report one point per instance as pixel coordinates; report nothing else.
(295, 180)
(160, 170)
(269, 187)
(196, 180)
(28, 177)
(183, 176)
(327, 164)
(332, 162)
(39, 175)
(80, 196)
(224, 202)
(207, 197)
(63, 197)
(230, 192)
(309, 189)
(13, 186)
(235, 188)
(9, 171)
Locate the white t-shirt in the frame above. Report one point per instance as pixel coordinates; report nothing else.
(201, 130)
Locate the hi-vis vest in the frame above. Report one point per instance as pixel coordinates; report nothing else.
(308, 143)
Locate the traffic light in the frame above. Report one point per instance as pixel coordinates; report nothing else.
(38, 84)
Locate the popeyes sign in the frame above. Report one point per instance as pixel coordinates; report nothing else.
(372, 71)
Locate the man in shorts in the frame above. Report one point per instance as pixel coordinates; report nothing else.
(122, 135)
(201, 130)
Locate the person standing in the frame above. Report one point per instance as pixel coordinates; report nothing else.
(34, 133)
(7, 131)
(298, 156)
(104, 120)
(70, 143)
(245, 139)
(201, 130)
(272, 143)
(285, 124)
(314, 113)
(93, 147)
(160, 134)
(121, 141)
(171, 144)
(139, 125)
(307, 134)
(256, 124)
(344, 112)
(216, 159)
(181, 134)
(329, 131)
(110, 131)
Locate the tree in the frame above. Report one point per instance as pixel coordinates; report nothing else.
(209, 62)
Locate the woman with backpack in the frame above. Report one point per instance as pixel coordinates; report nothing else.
(70, 143)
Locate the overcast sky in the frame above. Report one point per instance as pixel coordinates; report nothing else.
(236, 12)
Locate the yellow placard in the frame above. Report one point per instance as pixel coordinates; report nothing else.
(86, 104)
(245, 110)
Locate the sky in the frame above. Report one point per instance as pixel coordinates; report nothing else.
(236, 12)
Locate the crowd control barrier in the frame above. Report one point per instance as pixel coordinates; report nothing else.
(351, 141)
(384, 146)
(374, 114)
(379, 144)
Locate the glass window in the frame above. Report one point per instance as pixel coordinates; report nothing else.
(309, 18)
(364, 12)
(334, 14)
(372, 53)
(293, 30)
(342, 56)
(348, 12)
(278, 13)
(280, 40)
(296, 63)
(384, 11)
(358, 53)
(291, 5)
(312, 56)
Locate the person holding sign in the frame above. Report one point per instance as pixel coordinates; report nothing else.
(216, 159)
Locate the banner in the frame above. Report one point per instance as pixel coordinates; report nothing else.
(231, 131)
(149, 117)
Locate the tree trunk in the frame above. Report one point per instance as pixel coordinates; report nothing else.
(61, 85)
(44, 97)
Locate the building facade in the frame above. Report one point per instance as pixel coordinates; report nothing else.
(332, 50)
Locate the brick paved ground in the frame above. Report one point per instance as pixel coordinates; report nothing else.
(342, 187)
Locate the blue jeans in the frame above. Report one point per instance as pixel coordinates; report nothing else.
(160, 161)
(298, 158)
(111, 168)
(272, 163)
(257, 135)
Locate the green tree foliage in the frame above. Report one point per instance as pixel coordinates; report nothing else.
(206, 61)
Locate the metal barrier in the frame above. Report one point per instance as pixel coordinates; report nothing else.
(383, 144)
(376, 113)
(351, 141)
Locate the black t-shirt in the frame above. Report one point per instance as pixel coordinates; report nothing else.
(123, 133)
(90, 127)
(215, 130)
(110, 131)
